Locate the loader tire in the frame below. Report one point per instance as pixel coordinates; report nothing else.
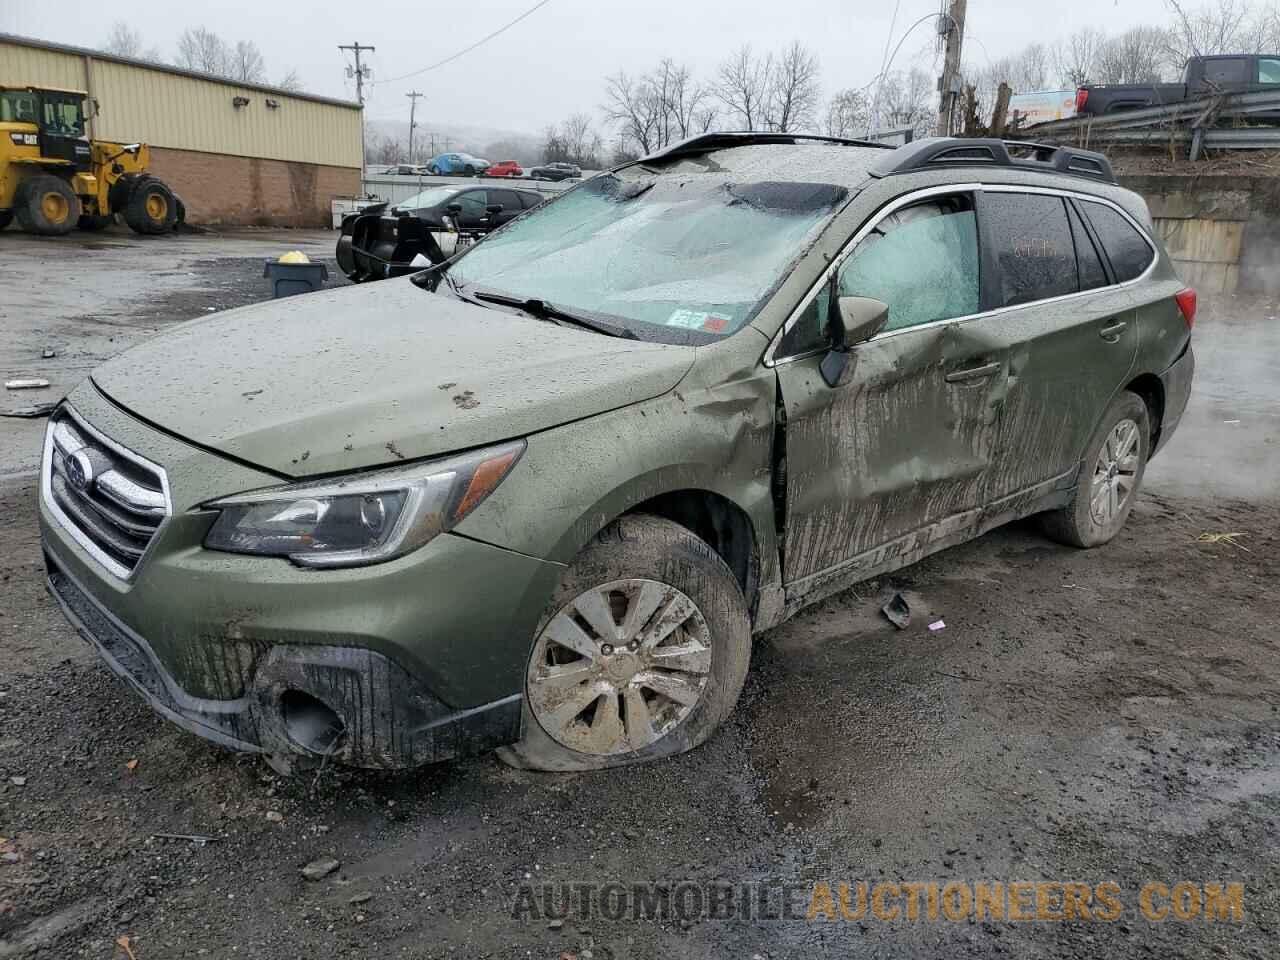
(47, 205)
(152, 207)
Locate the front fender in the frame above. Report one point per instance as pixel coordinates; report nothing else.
(576, 479)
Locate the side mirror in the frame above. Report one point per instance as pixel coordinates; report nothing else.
(494, 208)
(856, 319)
(454, 208)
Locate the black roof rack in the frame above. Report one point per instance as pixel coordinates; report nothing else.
(957, 151)
(706, 142)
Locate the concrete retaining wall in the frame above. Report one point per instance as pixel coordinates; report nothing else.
(1223, 232)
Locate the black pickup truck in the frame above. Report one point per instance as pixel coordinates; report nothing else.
(1228, 73)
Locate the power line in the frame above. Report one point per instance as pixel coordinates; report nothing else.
(483, 40)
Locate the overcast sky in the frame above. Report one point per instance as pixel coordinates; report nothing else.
(553, 63)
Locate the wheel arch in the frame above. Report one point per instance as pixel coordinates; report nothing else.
(1150, 388)
(721, 524)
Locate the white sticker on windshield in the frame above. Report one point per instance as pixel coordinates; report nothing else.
(688, 319)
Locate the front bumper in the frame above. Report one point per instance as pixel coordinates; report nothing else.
(418, 659)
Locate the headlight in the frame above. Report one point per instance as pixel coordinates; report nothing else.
(360, 519)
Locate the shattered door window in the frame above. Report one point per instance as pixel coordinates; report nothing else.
(690, 256)
(921, 260)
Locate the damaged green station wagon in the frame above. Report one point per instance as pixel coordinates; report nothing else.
(541, 496)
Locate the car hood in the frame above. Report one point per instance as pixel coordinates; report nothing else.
(369, 375)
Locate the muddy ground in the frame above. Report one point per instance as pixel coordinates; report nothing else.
(1110, 715)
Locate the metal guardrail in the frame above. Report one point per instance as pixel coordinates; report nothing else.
(1188, 121)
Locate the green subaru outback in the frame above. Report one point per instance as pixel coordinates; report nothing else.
(541, 497)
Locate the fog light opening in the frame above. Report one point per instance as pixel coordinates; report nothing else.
(310, 722)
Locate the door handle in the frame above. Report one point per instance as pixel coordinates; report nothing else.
(973, 373)
(1111, 333)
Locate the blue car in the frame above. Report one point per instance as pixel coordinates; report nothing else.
(457, 163)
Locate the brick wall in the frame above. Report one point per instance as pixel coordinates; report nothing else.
(247, 191)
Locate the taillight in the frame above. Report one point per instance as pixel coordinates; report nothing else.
(1082, 99)
(1187, 304)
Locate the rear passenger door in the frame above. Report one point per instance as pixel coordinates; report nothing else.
(1072, 335)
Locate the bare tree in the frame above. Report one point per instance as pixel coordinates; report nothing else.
(199, 48)
(1029, 70)
(124, 41)
(574, 141)
(383, 149)
(663, 106)
(291, 82)
(792, 97)
(1138, 55)
(743, 85)
(1074, 57)
(1220, 28)
(907, 101)
(631, 106)
(847, 114)
(245, 63)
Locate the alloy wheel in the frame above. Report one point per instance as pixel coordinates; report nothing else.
(1115, 473)
(619, 667)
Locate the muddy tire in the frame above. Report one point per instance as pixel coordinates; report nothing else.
(1110, 476)
(47, 205)
(152, 208)
(641, 653)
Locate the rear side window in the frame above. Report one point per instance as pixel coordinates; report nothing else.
(1231, 70)
(1033, 246)
(508, 198)
(1268, 70)
(1088, 262)
(530, 200)
(1126, 248)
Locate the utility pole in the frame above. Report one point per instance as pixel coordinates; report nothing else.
(951, 26)
(413, 96)
(360, 72)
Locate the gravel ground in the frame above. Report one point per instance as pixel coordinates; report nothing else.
(1100, 716)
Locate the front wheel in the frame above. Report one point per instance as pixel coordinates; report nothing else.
(1109, 478)
(642, 652)
(469, 170)
(152, 208)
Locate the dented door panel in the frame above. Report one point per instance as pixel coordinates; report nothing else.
(905, 441)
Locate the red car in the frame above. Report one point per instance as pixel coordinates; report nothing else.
(505, 168)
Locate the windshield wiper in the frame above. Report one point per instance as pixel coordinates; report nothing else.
(549, 311)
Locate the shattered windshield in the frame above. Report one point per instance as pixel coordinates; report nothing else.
(692, 255)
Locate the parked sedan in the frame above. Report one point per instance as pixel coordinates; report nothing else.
(381, 242)
(463, 164)
(505, 168)
(556, 171)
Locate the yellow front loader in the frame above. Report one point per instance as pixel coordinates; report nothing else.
(53, 178)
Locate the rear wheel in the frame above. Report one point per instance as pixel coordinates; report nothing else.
(433, 170)
(152, 208)
(1110, 475)
(47, 205)
(642, 653)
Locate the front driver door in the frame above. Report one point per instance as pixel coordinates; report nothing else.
(894, 456)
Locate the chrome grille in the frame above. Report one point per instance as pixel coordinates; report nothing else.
(110, 500)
